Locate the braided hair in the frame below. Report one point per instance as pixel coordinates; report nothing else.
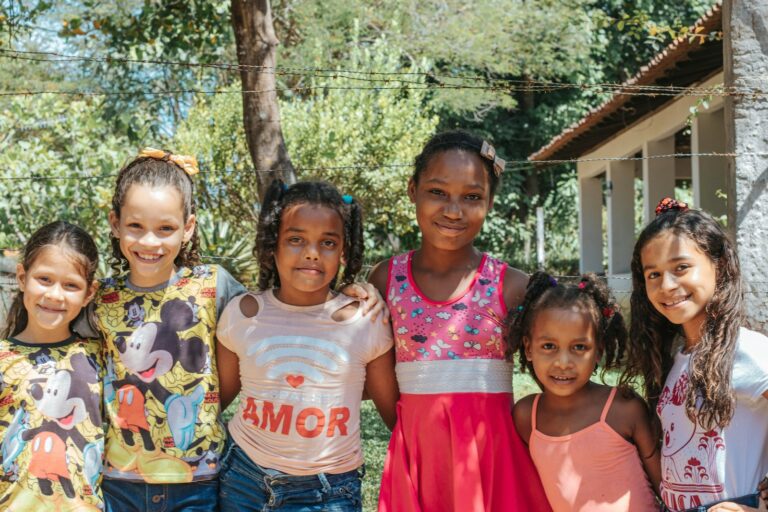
(278, 199)
(590, 295)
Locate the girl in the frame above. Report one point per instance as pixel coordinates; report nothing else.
(158, 317)
(454, 446)
(590, 444)
(306, 355)
(50, 395)
(706, 375)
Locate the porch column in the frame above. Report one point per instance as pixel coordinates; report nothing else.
(620, 199)
(658, 175)
(590, 225)
(746, 66)
(709, 172)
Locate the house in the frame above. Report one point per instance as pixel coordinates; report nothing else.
(625, 145)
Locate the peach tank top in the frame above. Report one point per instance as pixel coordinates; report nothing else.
(592, 470)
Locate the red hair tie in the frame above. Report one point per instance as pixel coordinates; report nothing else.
(668, 204)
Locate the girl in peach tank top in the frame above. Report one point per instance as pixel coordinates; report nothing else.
(594, 449)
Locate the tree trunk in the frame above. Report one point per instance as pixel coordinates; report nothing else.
(256, 43)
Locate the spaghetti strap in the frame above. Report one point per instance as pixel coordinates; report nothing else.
(533, 411)
(607, 405)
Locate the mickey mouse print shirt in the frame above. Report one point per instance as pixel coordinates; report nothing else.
(161, 388)
(51, 435)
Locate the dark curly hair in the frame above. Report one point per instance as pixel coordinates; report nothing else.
(590, 295)
(652, 335)
(453, 140)
(154, 172)
(62, 234)
(277, 200)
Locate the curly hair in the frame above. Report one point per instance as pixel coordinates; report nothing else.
(62, 234)
(453, 140)
(590, 296)
(154, 172)
(278, 199)
(652, 335)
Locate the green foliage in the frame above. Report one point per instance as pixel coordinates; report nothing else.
(221, 243)
(71, 140)
(339, 129)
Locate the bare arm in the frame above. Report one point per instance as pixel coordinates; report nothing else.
(647, 442)
(521, 414)
(515, 282)
(229, 375)
(381, 386)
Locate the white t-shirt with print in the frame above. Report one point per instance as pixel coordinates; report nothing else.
(701, 466)
(302, 375)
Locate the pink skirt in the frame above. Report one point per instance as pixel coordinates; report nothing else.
(458, 452)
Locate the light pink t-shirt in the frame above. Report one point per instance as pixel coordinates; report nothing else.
(302, 377)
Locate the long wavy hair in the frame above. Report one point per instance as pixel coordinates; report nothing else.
(81, 247)
(652, 335)
(278, 199)
(154, 172)
(591, 296)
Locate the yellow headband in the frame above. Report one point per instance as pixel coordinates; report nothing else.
(188, 164)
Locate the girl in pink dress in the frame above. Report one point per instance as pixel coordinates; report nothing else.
(454, 447)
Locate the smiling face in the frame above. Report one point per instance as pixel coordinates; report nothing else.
(562, 349)
(452, 198)
(151, 229)
(679, 281)
(308, 254)
(55, 290)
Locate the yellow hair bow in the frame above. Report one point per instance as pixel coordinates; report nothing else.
(188, 164)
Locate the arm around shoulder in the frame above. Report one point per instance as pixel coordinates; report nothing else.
(521, 414)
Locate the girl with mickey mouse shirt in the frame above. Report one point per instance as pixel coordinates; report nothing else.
(51, 440)
(158, 317)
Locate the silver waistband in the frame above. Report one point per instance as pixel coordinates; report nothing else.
(455, 376)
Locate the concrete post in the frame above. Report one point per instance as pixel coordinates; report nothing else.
(709, 172)
(745, 27)
(590, 225)
(658, 175)
(620, 199)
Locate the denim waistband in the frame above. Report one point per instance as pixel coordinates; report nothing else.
(275, 478)
(748, 499)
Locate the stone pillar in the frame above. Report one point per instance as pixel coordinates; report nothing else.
(620, 199)
(745, 27)
(590, 225)
(709, 172)
(658, 175)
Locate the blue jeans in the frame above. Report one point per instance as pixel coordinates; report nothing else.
(750, 500)
(246, 486)
(128, 496)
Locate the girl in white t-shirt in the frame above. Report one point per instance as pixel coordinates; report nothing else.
(306, 355)
(711, 393)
